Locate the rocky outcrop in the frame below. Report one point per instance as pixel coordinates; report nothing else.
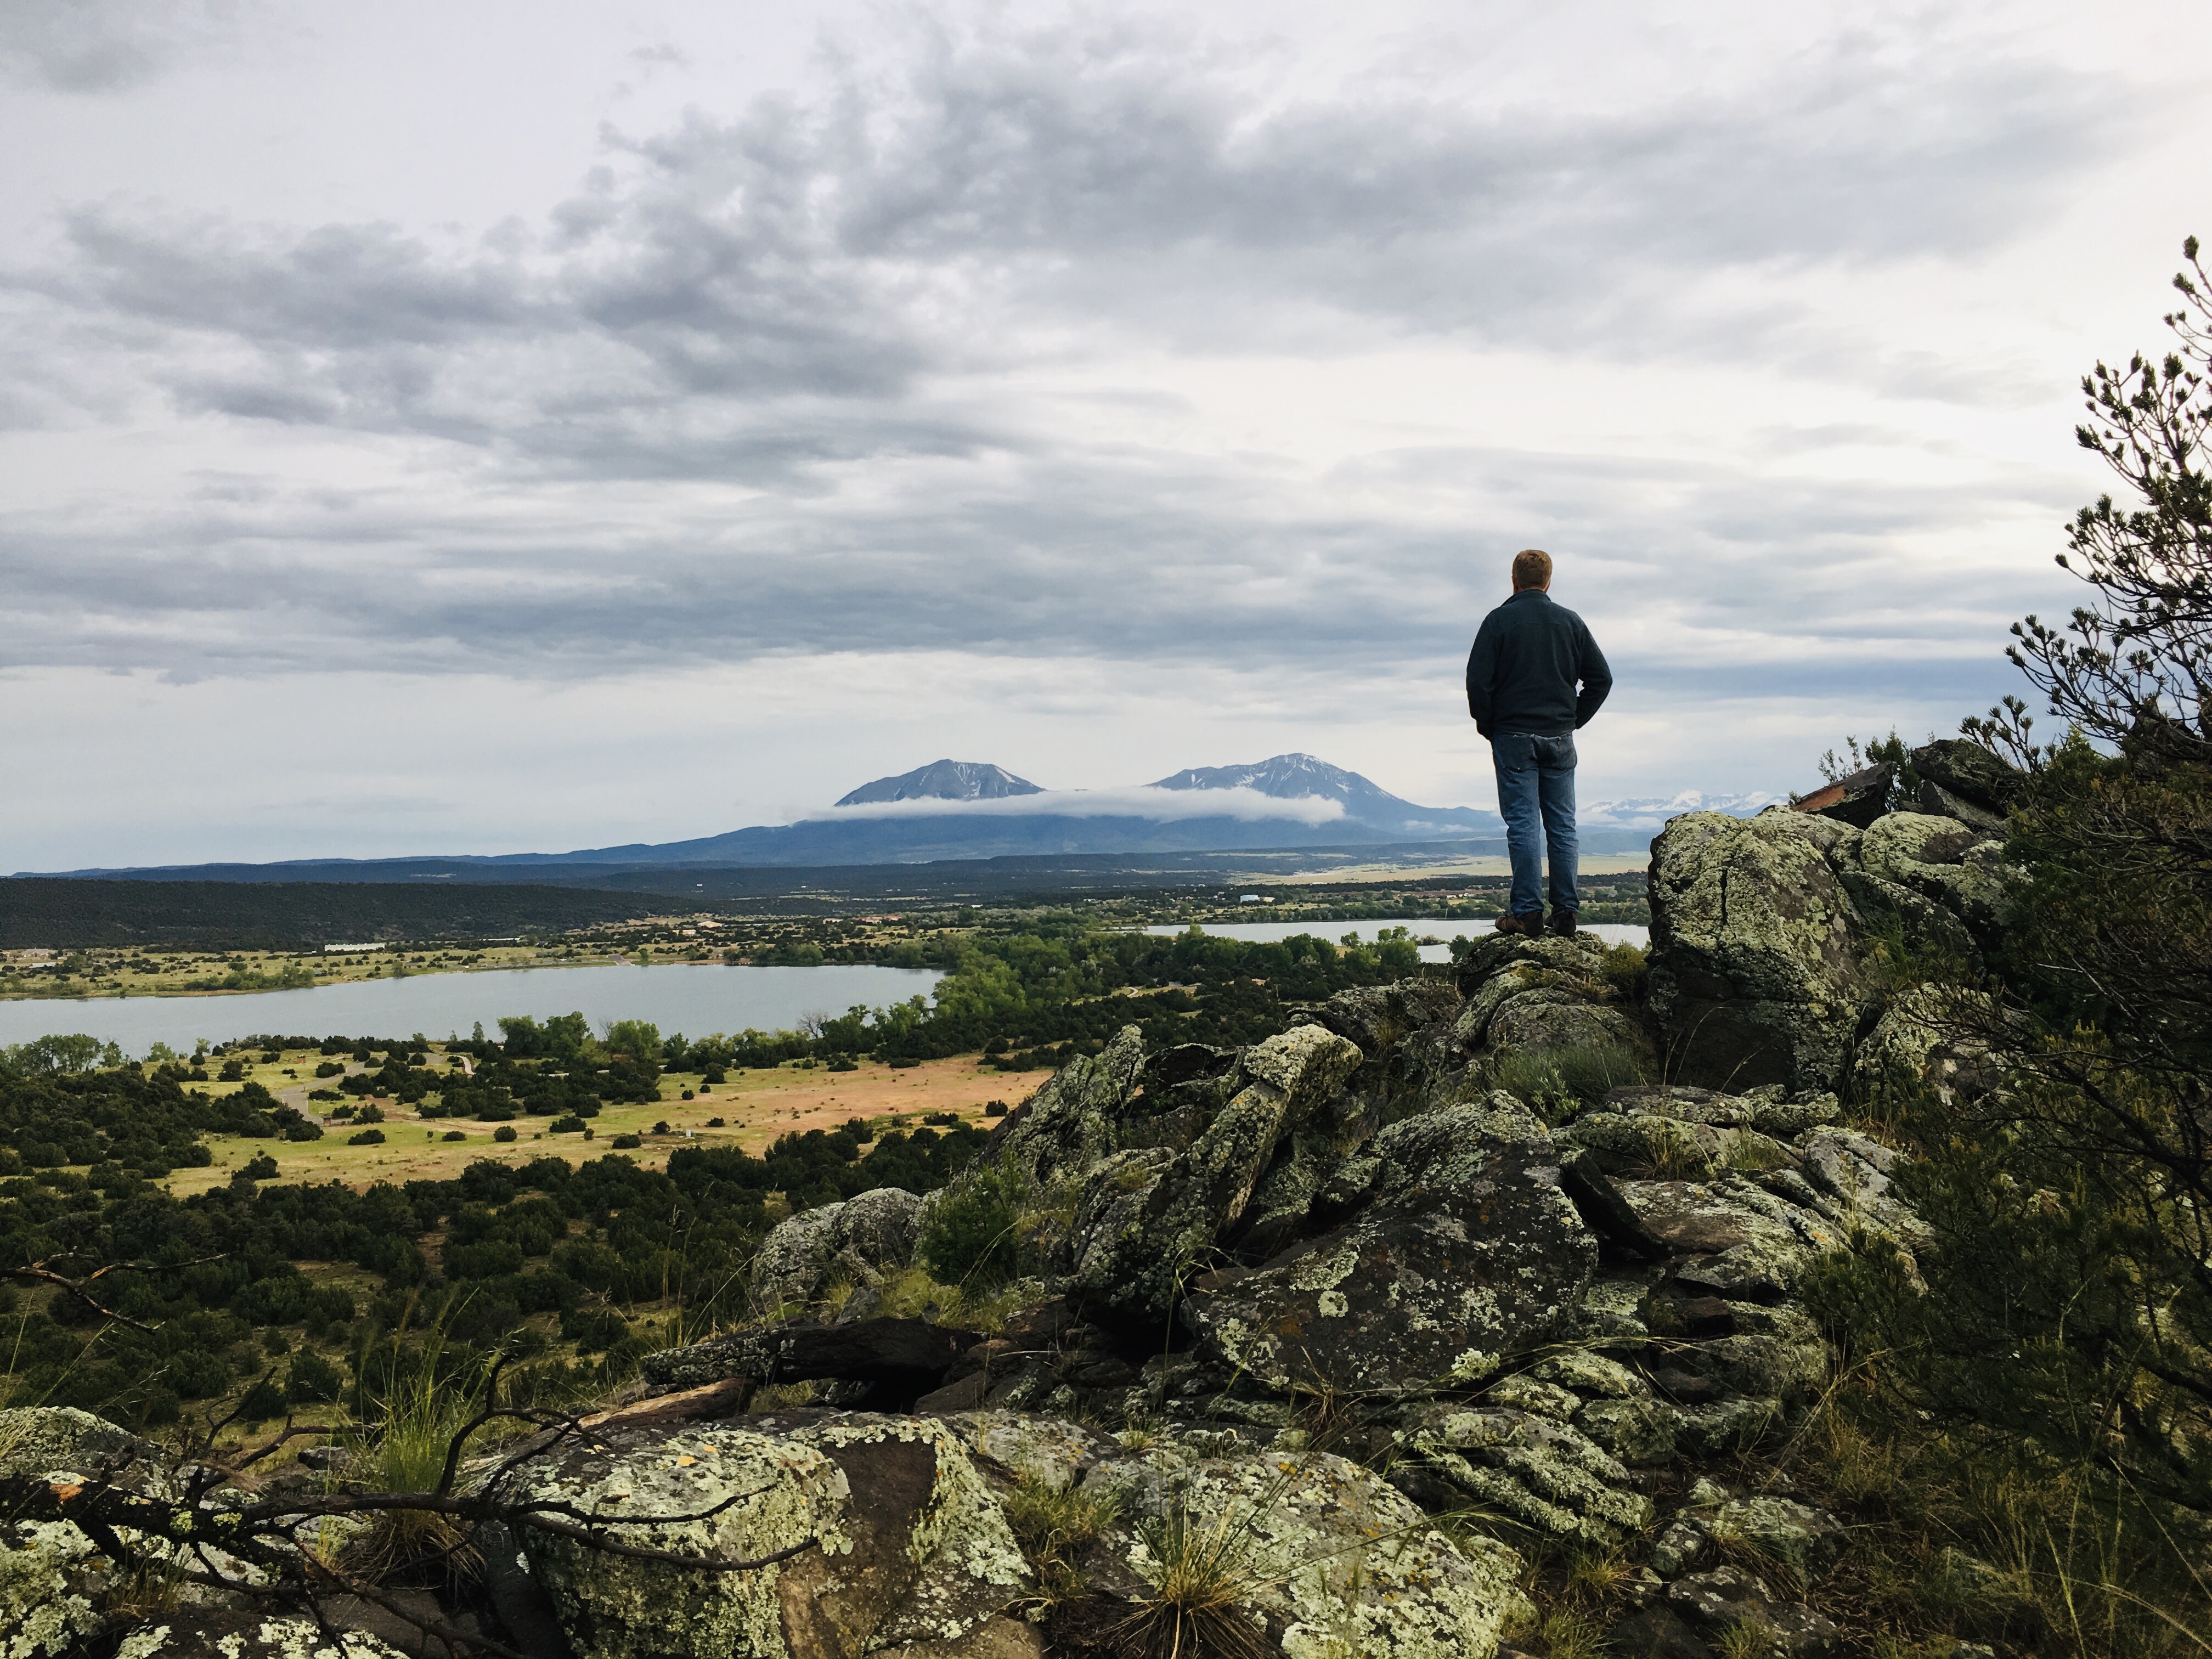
(1764, 932)
(1152, 1213)
(1458, 1250)
(1542, 994)
(853, 1242)
(1757, 971)
(909, 1546)
(1297, 1303)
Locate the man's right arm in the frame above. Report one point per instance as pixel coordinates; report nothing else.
(1596, 677)
(1481, 672)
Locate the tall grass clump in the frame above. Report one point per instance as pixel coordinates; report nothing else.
(1556, 1083)
(1052, 1526)
(417, 1398)
(1209, 1572)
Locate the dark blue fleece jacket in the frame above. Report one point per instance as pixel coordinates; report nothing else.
(1529, 657)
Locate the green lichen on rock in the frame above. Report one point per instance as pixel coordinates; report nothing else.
(1467, 1253)
(1347, 1565)
(1134, 1244)
(912, 1544)
(785, 1492)
(214, 1634)
(1758, 950)
(1546, 1475)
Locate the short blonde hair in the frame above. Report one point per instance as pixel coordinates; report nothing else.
(1532, 568)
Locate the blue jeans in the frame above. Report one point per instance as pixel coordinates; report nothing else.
(1536, 798)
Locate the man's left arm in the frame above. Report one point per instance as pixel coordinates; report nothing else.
(1595, 676)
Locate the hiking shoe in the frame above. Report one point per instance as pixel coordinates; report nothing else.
(1562, 924)
(1531, 926)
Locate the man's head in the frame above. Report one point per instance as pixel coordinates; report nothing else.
(1532, 568)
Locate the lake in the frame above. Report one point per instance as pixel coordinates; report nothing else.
(1613, 932)
(694, 998)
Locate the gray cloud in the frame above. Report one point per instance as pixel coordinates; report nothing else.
(107, 45)
(753, 388)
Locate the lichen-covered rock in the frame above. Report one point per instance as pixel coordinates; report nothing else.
(1641, 1433)
(1063, 1131)
(1056, 1454)
(1850, 1178)
(204, 1634)
(1550, 993)
(1960, 868)
(1544, 1474)
(1377, 1018)
(1729, 1235)
(1590, 1374)
(49, 1571)
(1465, 1251)
(1757, 972)
(1970, 771)
(857, 1240)
(1729, 1601)
(1804, 1539)
(1932, 1037)
(1147, 1218)
(1338, 1563)
(912, 1546)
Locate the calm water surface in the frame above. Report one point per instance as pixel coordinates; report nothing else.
(1613, 932)
(697, 998)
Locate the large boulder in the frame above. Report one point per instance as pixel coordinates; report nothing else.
(1757, 948)
(857, 1241)
(1150, 1212)
(911, 1547)
(1943, 861)
(1522, 992)
(1970, 772)
(1064, 1131)
(1332, 1561)
(1460, 1250)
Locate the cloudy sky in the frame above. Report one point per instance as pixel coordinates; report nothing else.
(490, 426)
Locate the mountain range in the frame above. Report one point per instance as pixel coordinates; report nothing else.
(961, 809)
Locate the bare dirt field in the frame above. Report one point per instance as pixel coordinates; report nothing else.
(756, 1106)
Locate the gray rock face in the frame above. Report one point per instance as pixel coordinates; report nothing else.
(913, 1547)
(1466, 1252)
(857, 1241)
(1068, 1127)
(50, 1572)
(1969, 771)
(1757, 948)
(200, 1633)
(1339, 1562)
(1521, 992)
(1152, 1212)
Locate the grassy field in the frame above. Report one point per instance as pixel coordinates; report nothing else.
(755, 1107)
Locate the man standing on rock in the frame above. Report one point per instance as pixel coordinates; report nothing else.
(1534, 679)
